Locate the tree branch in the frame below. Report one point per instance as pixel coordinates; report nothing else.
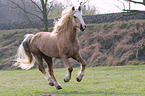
(135, 2)
(83, 3)
(26, 13)
(24, 10)
(45, 3)
(122, 4)
(36, 5)
(35, 9)
(28, 16)
(32, 22)
(129, 10)
(51, 4)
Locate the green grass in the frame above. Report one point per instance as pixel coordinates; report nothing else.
(98, 81)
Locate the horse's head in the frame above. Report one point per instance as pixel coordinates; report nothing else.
(78, 21)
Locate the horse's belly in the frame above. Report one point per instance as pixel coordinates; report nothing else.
(51, 52)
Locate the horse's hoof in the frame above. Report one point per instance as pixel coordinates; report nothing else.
(58, 87)
(79, 80)
(66, 80)
(51, 84)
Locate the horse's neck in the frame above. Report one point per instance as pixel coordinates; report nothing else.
(71, 32)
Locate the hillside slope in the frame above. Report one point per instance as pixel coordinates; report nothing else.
(117, 43)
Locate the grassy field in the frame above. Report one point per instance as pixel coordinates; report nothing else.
(98, 81)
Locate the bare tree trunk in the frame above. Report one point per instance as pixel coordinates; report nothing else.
(44, 13)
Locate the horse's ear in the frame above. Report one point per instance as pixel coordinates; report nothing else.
(73, 8)
(79, 8)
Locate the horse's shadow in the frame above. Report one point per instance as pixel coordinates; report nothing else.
(87, 93)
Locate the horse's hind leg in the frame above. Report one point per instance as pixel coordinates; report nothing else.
(50, 70)
(83, 65)
(41, 67)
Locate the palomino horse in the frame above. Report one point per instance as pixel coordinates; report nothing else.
(61, 43)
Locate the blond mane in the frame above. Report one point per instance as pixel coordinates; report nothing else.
(61, 24)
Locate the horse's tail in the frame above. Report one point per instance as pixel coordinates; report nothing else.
(24, 58)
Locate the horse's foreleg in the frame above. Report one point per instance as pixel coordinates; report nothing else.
(69, 67)
(83, 65)
(50, 70)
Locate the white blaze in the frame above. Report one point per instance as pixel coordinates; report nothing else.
(79, 15)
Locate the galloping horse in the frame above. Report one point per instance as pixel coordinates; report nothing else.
(61, 43)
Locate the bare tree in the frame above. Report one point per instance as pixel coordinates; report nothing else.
(42, 7)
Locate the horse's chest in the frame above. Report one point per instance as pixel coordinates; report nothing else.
(70, 50)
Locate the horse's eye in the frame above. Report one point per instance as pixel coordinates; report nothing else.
(74, 16)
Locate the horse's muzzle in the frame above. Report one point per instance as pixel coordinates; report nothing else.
(82, 28)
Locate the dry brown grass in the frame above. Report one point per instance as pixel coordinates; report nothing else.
(117, 43)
